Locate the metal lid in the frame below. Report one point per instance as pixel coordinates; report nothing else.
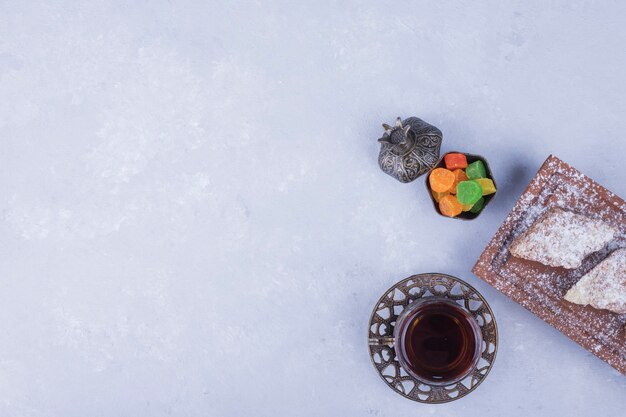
(409, 149)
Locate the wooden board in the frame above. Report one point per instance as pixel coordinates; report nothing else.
(540, 288)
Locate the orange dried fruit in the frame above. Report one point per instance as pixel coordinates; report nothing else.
(450, 206)
(459, 175)
(441, 179)
(437, 196)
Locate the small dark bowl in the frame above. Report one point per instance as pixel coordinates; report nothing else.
(466, 215)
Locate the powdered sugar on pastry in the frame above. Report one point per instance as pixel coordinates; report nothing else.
(562, 238)
(604, 286)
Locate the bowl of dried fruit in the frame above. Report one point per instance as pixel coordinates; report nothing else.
(461, 185)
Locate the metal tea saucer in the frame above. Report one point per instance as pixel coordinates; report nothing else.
(381, 327)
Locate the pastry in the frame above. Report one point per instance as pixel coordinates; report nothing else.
(604, 286)
(561, 238)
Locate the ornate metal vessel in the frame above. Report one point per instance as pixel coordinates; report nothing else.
(409, 149)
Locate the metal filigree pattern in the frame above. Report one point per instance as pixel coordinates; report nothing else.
(409, 149)
(381, 326)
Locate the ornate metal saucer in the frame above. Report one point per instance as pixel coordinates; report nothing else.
(390, 306)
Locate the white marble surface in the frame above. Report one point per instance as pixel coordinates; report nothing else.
(193, 222)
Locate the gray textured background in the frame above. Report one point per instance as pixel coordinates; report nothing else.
(193, 222)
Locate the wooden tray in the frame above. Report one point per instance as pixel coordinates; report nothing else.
(540, 288)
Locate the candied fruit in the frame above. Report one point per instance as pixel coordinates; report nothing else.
(459, 175)
(468, 192)
(441, 179)
(450, 206)
(487, 185)
(455, 160)
(476, 170)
